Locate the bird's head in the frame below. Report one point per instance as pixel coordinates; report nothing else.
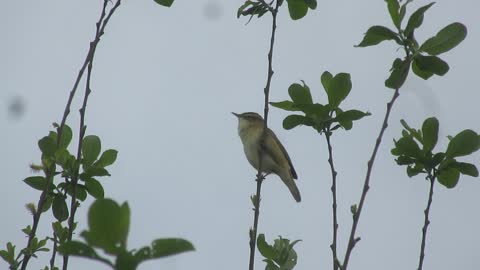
(248, 120)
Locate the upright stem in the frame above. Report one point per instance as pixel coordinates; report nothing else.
(253, 231)
(260, 177)
(102, 22)
(426, 222)
(333, 246)
(356, 215)
(54, 251)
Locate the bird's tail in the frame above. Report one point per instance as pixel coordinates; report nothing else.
(287, 178)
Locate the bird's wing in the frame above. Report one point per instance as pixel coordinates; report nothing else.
(269, 151)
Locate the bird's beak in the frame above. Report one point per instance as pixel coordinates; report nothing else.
(236, 114)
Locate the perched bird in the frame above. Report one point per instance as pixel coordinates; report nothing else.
(275, 158)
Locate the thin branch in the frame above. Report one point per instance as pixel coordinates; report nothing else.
(333, 246)
(253, 231)
(54, 251)
(356, 215)
(426, 222)
(93, 46)
(260, 177)
(51, 170)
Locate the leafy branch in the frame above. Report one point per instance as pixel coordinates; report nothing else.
(441, 166)
(100, 28)
(49, 168)
(422, 65)
(109, 224)
(324, 119)
(257, 197)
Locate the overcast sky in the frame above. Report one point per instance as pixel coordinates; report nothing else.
(164, 84)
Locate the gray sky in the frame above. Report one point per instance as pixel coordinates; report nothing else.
(164, 84)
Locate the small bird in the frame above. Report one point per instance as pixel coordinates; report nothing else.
(275, 158)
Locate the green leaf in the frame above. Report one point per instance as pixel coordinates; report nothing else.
(347, 125)
(94, 188)
(66, 136)
(464, 143)
(325, 79)
(62, 157)
(170, 246)
(165, 3)
(466, 168)
(242, 8)
(265, 249)
(404, 160)
(90, 149)
(419, 72)
(430, 65)
(300, 94)
(96, 171)
(250, 8)
(312, 4)
(414, 170)
(107, 158)
(408, 147)
(415, 133)
(403, 9)
(286, 105)
(338, 89)
(36, 182)
(76, 248)
(393, 9)
(48, 146)
(351, 115)
(293, 120)
(108, 225)
(297, 9)
(6, 257)
(445, 40)
(47, 204)
(126, 261)
(377, 34)
(60, 208)
(416, 19)
(316, 111)
(430, 133)
(438, 158)
(449, 177)
(399, 73)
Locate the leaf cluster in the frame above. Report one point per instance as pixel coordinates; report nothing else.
(108, 227)
(415, 150)
(296, 8)
(423, 59)
(280, 255)
(322, 117)
(14, 261)
(92, 165)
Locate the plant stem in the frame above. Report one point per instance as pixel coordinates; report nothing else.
(333, 246)
(260, 177)
(356, 216)
(54, 251)
(253, 231)
(426, 222)
(100, 27)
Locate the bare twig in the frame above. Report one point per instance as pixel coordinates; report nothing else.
(426, 222)
(260, 177)
(54, 251)
(356, 215)
(333, 246)
(93, 46)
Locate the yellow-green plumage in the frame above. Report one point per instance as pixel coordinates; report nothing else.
(275, 158)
